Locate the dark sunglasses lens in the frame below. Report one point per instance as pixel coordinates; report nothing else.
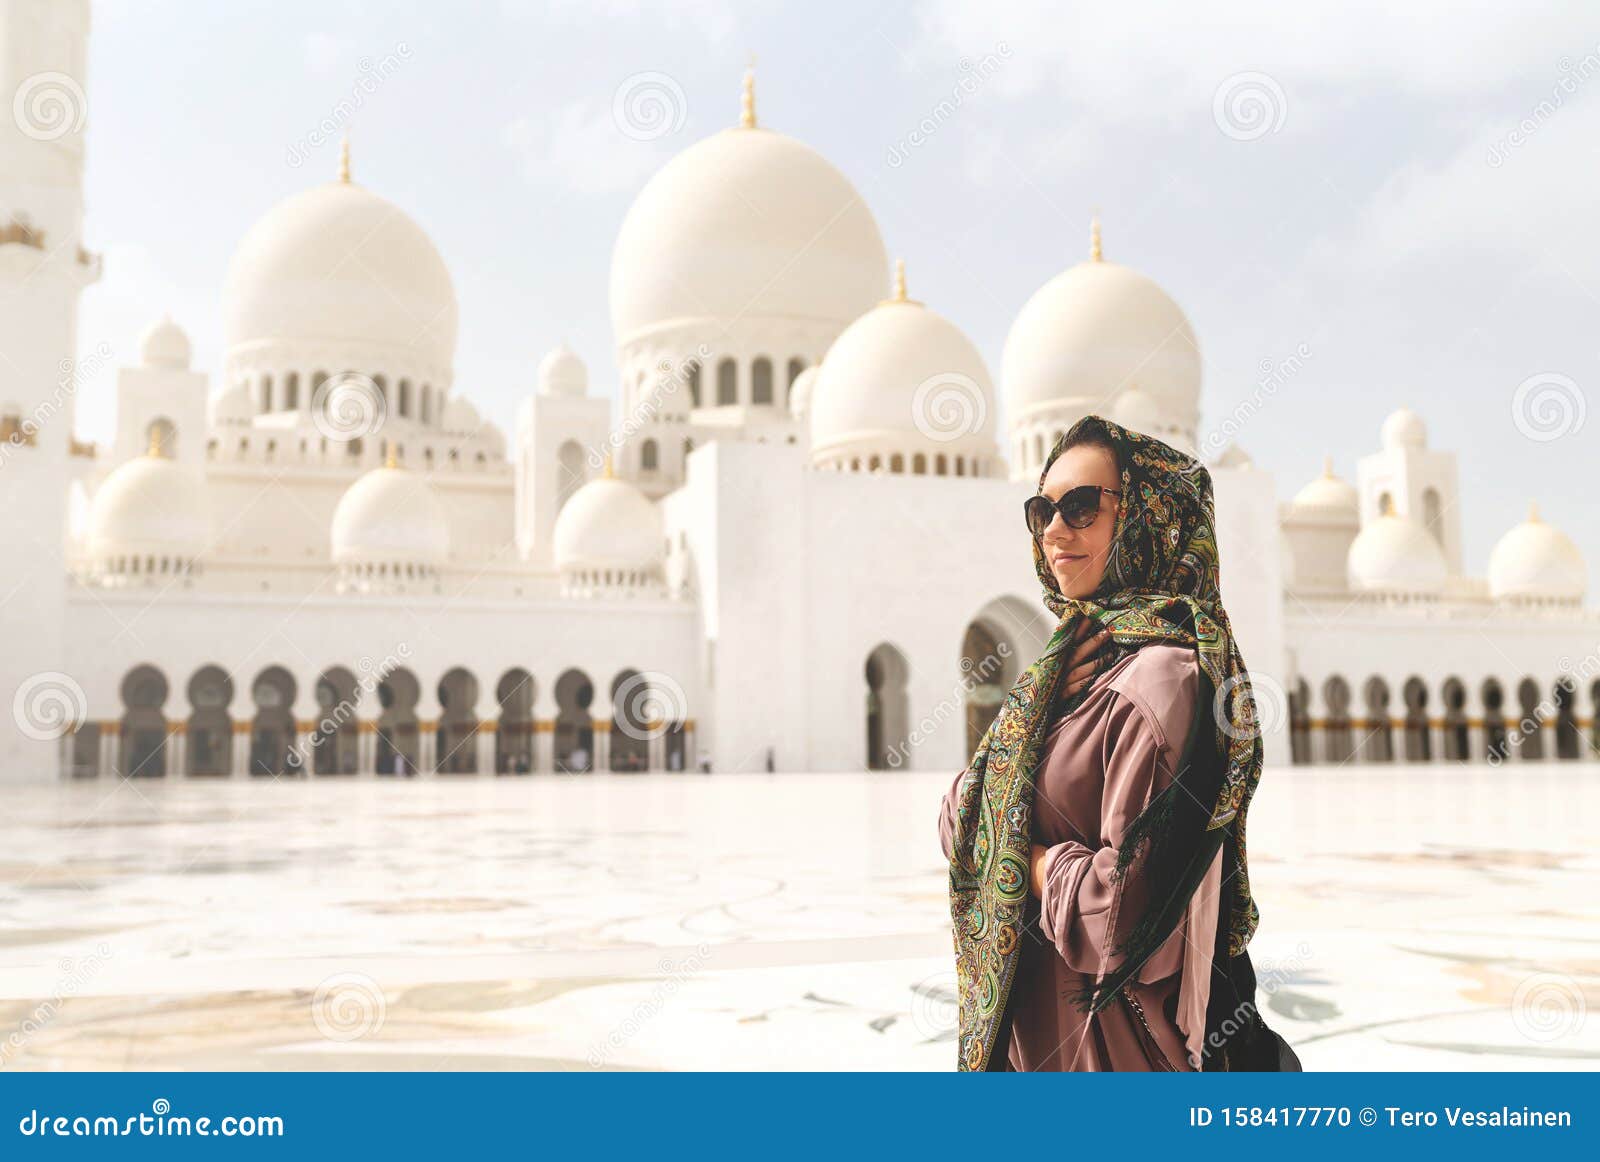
(1080, 506)
(1039, 512)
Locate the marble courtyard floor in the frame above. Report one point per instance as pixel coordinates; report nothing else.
(1413, 918)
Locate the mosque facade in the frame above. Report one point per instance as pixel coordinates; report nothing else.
(791, 540)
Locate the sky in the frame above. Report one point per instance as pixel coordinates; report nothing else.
(1397, 202)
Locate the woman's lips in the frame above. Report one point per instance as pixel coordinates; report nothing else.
(1069, 558)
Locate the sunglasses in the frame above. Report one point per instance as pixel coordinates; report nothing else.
(1079, 507)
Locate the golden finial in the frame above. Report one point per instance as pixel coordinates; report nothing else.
(1533, 512)
(607, 473)
(1094, 238)
(1327, 466)
(391, 458)
(1388, 505)
(344, 160)
(899, 294)
(747, 104)
(155, 442)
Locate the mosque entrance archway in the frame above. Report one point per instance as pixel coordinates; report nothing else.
(144, 729)
(272, 730)
(513, 739)
(334, 749)
(1004, 638)
(631, 704)
(574, 741)
(397, 748)
(209, 739)
(888, 708)
(458, 724)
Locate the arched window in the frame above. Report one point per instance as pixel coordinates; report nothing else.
(162, 434)
(291, 390)
(382, 385)
(405, 397)
(647, 456)
(727, 382)
(427, 404)
(265, 391)
(761, 380)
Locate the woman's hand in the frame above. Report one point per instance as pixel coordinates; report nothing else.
(1082, 662)
(1036, 870)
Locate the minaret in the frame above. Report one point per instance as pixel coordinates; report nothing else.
(43, 269)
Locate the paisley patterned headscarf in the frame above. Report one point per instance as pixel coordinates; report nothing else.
(1160, 585)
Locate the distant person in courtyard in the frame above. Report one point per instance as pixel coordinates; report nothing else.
(1098, 884)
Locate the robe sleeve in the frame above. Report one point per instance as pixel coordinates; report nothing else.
(1082, 911)
(947, 816)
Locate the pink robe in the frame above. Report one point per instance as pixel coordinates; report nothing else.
(1101, 765)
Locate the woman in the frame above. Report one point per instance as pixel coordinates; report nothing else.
(1099, 894)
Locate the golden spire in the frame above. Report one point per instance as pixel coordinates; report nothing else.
(344, 159)
(391, 458)
(1533, 512)
(747, 104)
(1327, 466)
(899, 294)
(1388, 505)
(154, 448)
(607, 473)
(1094, 238)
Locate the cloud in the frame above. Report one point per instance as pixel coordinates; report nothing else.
(584, 148)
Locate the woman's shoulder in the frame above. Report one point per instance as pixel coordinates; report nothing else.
(1162, 680)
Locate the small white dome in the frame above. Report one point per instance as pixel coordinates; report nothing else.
(1538, 561)
(1137, 410)
(608, 524)
(338, 264)
(150, 505)
(233, 405)
(1234, 456)
(800, 393)
(902, 378)
(165, 345)
(390, 516)
(1395, 554)
(1329, 494)
(561, 372)
(1090, 333)
(1404, 429)
(746, 224)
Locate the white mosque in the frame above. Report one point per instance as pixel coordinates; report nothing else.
(794, 541)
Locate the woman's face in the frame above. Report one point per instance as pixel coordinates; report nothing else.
(1077, 557)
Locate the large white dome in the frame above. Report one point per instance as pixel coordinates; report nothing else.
(1395, 554)
(338, 264)
(1094, 331)
(608, 524)
(390, 516)
(902, 378)
(150, 506)
(747, 223)
(1537, 561)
